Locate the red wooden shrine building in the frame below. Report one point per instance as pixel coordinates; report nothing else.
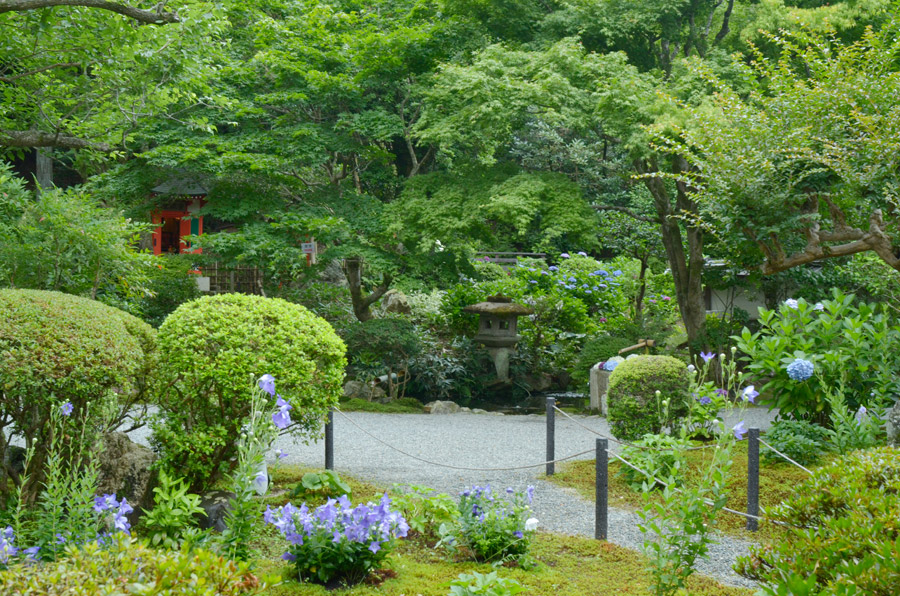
(180, 218)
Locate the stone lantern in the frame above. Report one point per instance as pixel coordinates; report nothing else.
(498, 318)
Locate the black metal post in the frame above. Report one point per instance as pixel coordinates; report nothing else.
(551, 436)
(329, 441)
(753, 479)
(601, 514)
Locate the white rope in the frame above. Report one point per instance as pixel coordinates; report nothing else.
(626, 443)
(434, 463)
(785, 457)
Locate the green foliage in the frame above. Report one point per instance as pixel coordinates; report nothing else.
(489, 584)
(856, 342)
(249, 477)
(841, 534)
(802, 441)
(660, 455)
(67, 242)
(174, 511)
(850, 431)
(325, 484)
(170, 285)
(498, 209)
(92, 570)
(679, 528)
(646, 394)
(492, 528)
(781, 155)
(211, 348)
(383, 346)
(56, 348)
(424, 509)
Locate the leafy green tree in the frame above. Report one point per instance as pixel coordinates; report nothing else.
(804, 167)
(85, 74)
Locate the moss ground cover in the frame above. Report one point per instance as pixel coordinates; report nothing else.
(776, 483)
(406, 405)
(567, 565)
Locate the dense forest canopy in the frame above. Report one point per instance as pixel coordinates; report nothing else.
(406, 135)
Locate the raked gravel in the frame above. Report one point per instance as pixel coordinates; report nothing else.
(493, 441)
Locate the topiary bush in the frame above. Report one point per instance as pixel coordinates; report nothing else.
(841, 535)
(211, 351)
(128, 567)
(57, 348)
(634, 408)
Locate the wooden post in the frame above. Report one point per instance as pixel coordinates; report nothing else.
(601, 491)
(551, 436)
(753, 479)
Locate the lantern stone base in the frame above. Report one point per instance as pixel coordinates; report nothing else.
(501, 362)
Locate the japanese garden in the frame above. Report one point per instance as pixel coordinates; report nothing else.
(450, 297)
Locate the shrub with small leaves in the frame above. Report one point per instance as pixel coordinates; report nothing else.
(210, 349)
(174, 511)
(802, 441)
(841, 533)
(127, 566)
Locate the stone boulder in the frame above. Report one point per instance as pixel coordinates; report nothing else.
(442, 407)
(893, 425)
(360, 390)
(126, 470)
(395, 301)
(216, 504)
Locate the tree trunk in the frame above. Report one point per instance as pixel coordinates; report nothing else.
(43, 170)
(687, 267)
(352, 268)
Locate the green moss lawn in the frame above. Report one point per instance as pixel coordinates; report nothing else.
(567, 566)
(776, 482)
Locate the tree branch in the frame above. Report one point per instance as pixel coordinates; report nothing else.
(20, 75)
(148, 17)
(725, 19)
(856, 240)
(38, 138)
(626, 211)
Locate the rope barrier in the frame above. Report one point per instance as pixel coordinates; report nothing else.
(707, 501)
(626, 443)
(442, 465)
(786, 457)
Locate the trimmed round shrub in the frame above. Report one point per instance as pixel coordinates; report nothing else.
(128, 567)
(634, 408)
(212, 351)
(841, 535)
(55, 348)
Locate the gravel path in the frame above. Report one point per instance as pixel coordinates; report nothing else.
(491, 441)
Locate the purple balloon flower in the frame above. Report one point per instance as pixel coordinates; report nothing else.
(750, 393)
(281, 418)
(267, 384)
(739, 430)
(66, 408)
(707, 356)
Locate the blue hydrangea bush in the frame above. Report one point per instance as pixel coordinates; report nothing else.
(802, 351)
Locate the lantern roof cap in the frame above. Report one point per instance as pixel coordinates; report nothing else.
(500, 306)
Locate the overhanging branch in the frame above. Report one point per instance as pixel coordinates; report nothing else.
(627, 212)
(148, 17)
(37, 138)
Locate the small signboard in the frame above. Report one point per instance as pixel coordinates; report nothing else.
(308, 247)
